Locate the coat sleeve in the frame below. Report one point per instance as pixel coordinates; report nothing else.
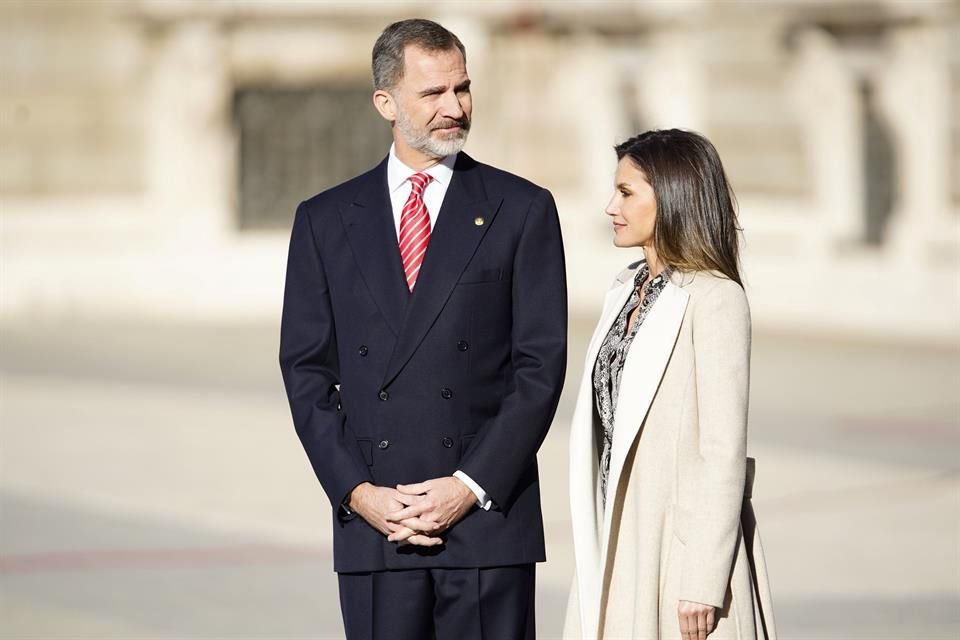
(508, 446)
(721, 338)
(310, 367)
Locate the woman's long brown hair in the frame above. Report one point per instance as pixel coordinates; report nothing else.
(696, 226)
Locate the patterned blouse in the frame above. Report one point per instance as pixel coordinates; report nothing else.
(613, 354)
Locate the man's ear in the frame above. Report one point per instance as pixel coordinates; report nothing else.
(385, 105)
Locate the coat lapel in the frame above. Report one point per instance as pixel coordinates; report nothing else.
(372, 236)
(584, 470)
(612, 305)
(644, 367)
(646, 362)
(454, 240)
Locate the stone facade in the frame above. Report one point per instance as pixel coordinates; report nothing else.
(142, 173)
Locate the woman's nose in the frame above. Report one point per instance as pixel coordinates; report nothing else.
(611, 209)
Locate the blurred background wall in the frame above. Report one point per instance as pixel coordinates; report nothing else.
(152, 153)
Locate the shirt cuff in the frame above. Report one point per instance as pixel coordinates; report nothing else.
(345, 513)
(482, 500)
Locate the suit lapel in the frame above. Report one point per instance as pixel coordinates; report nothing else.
(646, 362)
(453, 241)
(372, 236)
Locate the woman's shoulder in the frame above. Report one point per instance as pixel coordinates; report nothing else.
(712, 290)
(702, 283)
(697, 284)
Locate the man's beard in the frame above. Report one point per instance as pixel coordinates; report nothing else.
(422, 141)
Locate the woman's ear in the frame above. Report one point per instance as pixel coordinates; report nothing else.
(385, 105)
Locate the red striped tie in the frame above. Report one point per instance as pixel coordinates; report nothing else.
(414, 228)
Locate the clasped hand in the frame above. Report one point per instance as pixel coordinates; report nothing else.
(415, 513)
(697, 620)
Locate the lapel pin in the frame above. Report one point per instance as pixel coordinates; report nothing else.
(478, 221)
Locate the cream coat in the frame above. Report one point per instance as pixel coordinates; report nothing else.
(678, 524)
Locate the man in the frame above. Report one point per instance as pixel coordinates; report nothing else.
(423, 348)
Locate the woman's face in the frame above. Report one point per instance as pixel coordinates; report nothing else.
(633, 207)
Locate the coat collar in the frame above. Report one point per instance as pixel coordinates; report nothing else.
(644, 368)
(368, 221)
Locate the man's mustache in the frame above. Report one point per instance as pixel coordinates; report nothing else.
(447, 123)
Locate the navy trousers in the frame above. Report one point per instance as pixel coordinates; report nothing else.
(495, 603)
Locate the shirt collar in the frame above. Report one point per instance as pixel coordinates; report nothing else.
(658, 282)
(398, 172)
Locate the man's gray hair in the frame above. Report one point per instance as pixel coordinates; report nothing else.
(389, 48)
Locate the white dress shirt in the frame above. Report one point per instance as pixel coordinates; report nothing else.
(398, 184)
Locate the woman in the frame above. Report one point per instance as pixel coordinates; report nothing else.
(664, 536)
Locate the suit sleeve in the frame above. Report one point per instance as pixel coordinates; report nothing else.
(508, 446)
(721, 338)
(310, 367)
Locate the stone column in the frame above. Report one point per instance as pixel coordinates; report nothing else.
(915, 92)
(190, 151)
(829, 111)
(671, 93)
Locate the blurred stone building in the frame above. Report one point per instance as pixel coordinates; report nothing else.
(152, 152)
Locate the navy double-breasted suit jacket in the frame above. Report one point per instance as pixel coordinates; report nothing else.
(388, 386)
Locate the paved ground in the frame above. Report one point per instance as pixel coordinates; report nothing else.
(151, 486)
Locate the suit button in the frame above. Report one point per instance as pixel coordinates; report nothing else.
(384, 444)
(383, 395)
(363, 351)
(446, 393)
(447, 442)
(462, 345)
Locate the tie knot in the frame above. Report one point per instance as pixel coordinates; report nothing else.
(419, 181)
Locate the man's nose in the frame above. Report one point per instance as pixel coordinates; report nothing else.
(451, 106)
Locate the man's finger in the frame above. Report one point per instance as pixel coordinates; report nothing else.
(702, 625)
(408, 512)
(711, 620)
(424, 541)
(406, 498)
(414, 489)
(401, 535)
(419, 524)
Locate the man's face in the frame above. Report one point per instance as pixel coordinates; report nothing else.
(432, 102)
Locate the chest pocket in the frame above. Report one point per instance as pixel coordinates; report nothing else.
(477, 276)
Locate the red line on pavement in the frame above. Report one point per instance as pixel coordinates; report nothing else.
(79, 560)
